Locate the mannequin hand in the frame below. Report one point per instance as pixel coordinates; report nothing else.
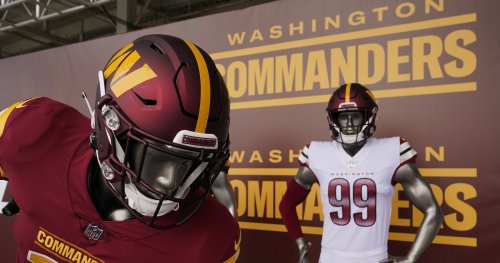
(393, 259)
(304, 253)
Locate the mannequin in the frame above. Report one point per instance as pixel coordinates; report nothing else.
(351, 115)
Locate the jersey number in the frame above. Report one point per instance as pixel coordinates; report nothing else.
(364, 194)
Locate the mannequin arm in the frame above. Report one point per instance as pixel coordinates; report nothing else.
(420, 194)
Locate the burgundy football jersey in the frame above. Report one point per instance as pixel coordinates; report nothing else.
(44, 154)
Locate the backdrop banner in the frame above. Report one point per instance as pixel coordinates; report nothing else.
(431, 64)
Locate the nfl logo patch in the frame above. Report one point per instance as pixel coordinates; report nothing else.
(93, 232)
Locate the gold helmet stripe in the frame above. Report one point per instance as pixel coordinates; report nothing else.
(203, 113)
(348, 93)
(111, 67)
(133, 79)
(123, 80)
(119, 53)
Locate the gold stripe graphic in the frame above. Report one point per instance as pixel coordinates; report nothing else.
(128, 62)
(133, 79)
(361, 34)
(122, 81)
(387, 93)
(111, 67)
(408, 237)
(427, 172)
(201, 123)
(347, 94)
(119, 53)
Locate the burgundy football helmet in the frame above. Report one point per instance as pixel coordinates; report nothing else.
(354, 98)
(161, 126)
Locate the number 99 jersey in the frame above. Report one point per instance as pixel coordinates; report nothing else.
(356, 193)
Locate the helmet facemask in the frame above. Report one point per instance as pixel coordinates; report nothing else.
(351, 125)
(185, 172)
(351, 114)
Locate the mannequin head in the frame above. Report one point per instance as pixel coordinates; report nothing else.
(351, 113)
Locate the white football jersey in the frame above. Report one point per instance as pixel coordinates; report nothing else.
(356, 193)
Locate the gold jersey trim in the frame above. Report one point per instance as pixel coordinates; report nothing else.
(63, 249)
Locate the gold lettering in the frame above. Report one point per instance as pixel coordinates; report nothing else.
(260, 199)
(86, 259)
(236, 156)
(431, 59)
(260, 79)
(313, 25)
(291, 75)
(256, 157)
(316, 70)
(77, 257)
(468, 218)
(49, 241)
(68, 252)
(275, 32)
(410, 10)
(236, 87)
(58, 247)
(256, 35)
(429, 151)
(394, 59)
(357, 18)
(40, 237)
(468, 58)
(299, 27)
(437, 6)
(236, 38)
(330, 22)
(275, 156)
(342, 65)
(366, 51)
(240, 191)
(380, 12)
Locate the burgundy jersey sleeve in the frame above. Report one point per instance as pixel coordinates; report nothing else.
(294, 195)
(36, 140)
(406, 155)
